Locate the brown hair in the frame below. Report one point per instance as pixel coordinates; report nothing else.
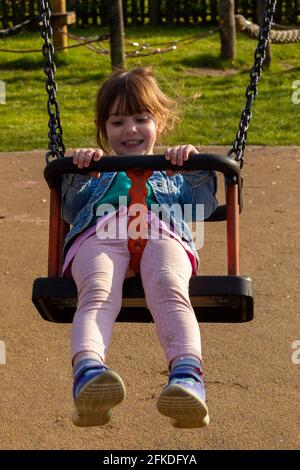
(138, 91)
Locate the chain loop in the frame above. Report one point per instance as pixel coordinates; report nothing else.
(56, 146)
(239, 144)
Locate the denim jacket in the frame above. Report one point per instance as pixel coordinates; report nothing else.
(80, 194)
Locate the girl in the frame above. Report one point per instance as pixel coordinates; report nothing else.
(131, 113)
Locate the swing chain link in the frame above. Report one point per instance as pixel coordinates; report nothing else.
(239, 144)
(55, 145)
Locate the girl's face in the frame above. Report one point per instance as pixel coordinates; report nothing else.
(131, 135)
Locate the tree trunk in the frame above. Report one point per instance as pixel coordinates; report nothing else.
(227, 29)
(116, 27)
(261, 5)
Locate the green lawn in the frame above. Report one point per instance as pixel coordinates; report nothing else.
(210, 93)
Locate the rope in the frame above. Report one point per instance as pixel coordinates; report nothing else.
(28, 51)
(171, 46)
(285, 36)
(82, 41)
(18, 28)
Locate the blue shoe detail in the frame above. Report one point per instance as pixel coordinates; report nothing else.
(84, 371)
(96, 391)
(189, 374)
(183, 399)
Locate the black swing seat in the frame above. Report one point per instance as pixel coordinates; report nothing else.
(225, 299)
(222, 298)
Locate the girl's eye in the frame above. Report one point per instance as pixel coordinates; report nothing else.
(142, 119)
(117, 123)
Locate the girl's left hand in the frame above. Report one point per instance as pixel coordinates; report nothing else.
(178, 155)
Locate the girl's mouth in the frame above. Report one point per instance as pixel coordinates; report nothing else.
(132, 142)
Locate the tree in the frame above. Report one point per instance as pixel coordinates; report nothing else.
(227, 29)
(116, 28)
(261, 6)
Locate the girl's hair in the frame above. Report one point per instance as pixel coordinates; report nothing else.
(137, 91)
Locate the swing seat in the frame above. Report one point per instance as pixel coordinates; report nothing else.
(214, 298)
(225, 299)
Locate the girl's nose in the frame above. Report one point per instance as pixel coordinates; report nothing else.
(130, 127)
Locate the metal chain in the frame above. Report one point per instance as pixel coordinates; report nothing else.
(56, 145)
(252, 89)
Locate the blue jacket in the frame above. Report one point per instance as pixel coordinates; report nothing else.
(80, 194)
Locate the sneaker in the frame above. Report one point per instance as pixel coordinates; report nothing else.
(96, 391)
(183, 399)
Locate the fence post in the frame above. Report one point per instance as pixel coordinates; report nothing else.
(5, 9)
(116, 29)
(227, 29)
(153, 12)
(60, 20)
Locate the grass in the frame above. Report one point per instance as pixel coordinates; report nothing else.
(209, 91)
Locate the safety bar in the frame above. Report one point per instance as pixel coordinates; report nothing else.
(61, 166)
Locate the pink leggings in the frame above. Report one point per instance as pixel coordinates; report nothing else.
(99, 269)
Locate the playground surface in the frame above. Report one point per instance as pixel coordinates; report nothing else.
(252, 376)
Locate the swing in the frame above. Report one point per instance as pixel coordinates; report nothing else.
(214, 298)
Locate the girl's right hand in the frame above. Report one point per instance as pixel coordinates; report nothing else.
(83, 157)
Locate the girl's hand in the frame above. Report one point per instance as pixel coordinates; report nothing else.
(83, 157)
(178, 155)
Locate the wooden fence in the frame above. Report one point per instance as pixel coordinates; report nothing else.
(140, 12)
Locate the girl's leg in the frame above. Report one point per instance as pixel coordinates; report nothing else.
(99, 269)
(165, 272)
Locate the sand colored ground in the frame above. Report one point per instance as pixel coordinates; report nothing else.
(253, 386)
